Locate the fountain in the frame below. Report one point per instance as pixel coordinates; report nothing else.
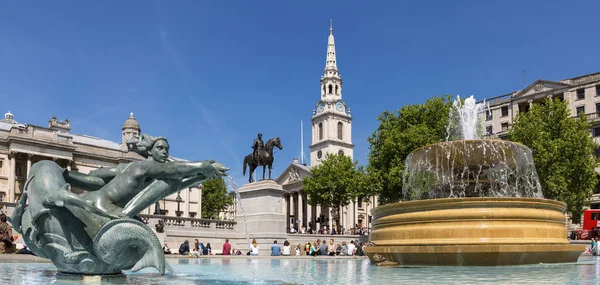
(471, 202)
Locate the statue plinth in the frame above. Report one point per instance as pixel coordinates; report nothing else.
(263, 204)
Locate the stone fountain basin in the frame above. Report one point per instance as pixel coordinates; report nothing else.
(471, 232)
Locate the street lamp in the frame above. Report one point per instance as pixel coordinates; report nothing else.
(178, 200)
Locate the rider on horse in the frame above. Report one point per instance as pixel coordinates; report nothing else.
(257, 146)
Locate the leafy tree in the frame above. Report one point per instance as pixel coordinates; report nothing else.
(400, 133)
(333, 183)
(563, 153)
(215, 198)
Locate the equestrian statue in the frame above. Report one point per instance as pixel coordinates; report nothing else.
(262, 155)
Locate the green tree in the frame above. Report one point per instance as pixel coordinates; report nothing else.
(400, 133)
(333, 183)
(215, 198)
(563, 153)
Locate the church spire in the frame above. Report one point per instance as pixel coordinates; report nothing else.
(330, 64)
(331, 82)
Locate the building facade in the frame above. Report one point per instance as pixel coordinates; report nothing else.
(582, 94)
(22, 145)
(331, 134)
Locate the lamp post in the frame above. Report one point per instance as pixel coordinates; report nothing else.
(178, 200)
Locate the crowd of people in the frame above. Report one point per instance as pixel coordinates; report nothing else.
(319, 247)
(325, 231)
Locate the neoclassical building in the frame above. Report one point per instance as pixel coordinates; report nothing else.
(582, 93)
(331, 133)
(22, 145)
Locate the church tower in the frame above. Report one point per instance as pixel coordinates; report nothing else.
(331, 121)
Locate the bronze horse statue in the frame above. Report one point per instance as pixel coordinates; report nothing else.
(265, 158)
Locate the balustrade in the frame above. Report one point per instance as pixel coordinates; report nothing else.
(169, 221)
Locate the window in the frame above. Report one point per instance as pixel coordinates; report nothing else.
(596, 132)
(504, 127)
(579, 110)
(598, 108)
(330, 89)
(340, 130)
(597, 151)
(594, 216)
(488, 130)
(336, 90)
(319, 154)
(597, 90)
(320, 131)
(504, 111)
(488, 115)
(360, 202)
(1, 167)
(580, 94)
(341, 152)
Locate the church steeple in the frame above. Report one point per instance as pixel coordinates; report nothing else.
(331, 121)
(331, 82)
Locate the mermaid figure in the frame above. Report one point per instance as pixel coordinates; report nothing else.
(97, 231)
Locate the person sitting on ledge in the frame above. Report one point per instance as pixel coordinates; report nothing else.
(6, 236)
(275, 249)
(226, 248)
(25, 250)
(166, 249)
(184, 248)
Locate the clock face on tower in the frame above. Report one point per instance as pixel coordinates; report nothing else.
(339, 106)
(320, 107)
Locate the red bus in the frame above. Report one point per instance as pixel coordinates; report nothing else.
(591, 224)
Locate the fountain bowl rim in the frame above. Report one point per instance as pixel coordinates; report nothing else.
(441, 202)
(466, 141)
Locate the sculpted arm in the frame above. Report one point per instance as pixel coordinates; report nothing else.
(180, 169)
(83, 181)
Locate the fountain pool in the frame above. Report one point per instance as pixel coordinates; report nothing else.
(323, 270)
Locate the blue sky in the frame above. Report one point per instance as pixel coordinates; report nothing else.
(203, 72)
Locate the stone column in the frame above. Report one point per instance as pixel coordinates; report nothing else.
(355, 209)
(11, 177)
(318, 214)
(199, 211)
(288, 211)
(530, 102)
(186, 207)
(300, 210)
(29, 155)
(309, 215)
(283, 205)
(330, 224)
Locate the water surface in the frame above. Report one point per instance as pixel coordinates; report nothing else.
(322, 270)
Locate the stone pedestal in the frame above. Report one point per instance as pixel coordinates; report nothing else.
(262, 202)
